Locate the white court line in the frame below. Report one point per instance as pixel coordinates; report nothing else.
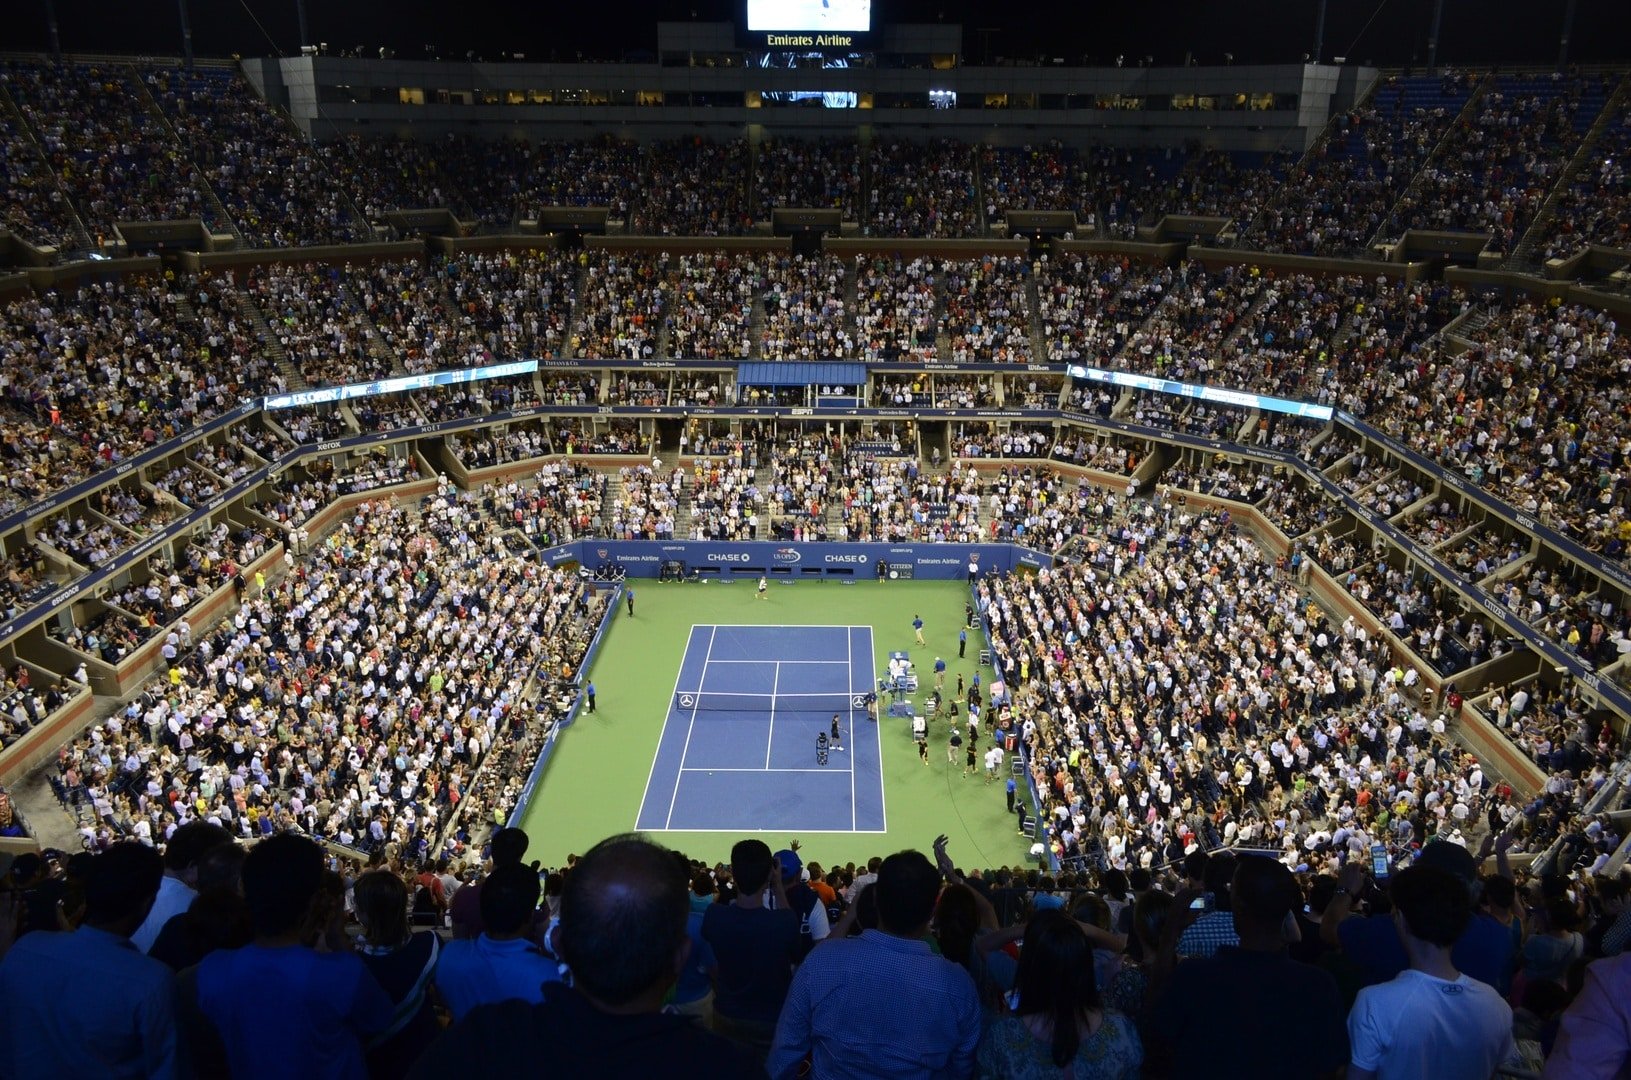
(776, 829)
(698, 768)
(778, 661)
(689, 727)
(849, 664)
(659, 751)
(877, 730)
(771, 741)
(787, 626)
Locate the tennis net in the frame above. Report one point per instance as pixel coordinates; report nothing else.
(724, 701)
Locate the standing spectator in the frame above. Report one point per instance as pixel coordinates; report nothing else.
(1275, 1016)
(326, 1004)
(756, 947)
(1216, 928)
(802, 899)
(1594, 1036)
(694, 989)
(507, 848)
(1483, 952)
(1432, 1020)
(403, 963)
(1547, 956)
(178, 889)
(217, 919)
(844, 1010)
(502, 963)
(623, 933)
(1059, 1026)
(87, 1003)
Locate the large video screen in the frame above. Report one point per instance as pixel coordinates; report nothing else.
(810, 16)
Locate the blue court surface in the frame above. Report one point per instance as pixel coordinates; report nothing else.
(738, 752)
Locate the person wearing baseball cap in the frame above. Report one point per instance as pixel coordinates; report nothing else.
(801, 898)
(1483, 950)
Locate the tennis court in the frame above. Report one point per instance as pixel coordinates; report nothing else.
(744, 772)
(745, 743)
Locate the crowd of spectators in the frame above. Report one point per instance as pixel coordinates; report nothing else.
(604, 171)
(1193, 738)
(93, 376)
(804, 309)
(1533, 410)
(818, 173)
(710, 306)
(272, 184)
(693, 187)
(511, 304)
(895, 308)
(563, 501)
(316, 322)
(922, 189)
(1090, 304)
(116, 160)
(1594, 205)
(36, 208)
(620, 309)
(343, 701)
(478, 179)
(1493, 172)
(1334, 201)
(988, 310)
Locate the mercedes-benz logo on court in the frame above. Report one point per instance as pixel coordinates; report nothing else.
(687, 700)
(858, 701)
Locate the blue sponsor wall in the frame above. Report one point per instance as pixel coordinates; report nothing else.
(944, 562)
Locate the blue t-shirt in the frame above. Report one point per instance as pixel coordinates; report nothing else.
(694, 981)
(480, 971)
(292, 1011)
(917, 624)
(1484, 950)
(939, 664)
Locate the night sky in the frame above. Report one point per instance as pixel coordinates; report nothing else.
(1384, 32)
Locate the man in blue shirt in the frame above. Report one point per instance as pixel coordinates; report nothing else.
(502, 964)
(844, 1010)
(939, 673)
(917, 628)
(962, 644)
(280, 1007)
(589, 695)
(89, 1003)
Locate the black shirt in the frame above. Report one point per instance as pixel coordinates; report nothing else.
(567, 1036)
(1249, 1014)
